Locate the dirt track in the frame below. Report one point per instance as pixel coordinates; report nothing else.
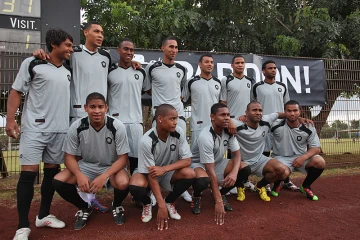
(290, 216)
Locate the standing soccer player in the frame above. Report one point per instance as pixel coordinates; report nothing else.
(164, 160)
(104, 147)
(297, 146)
(44, 123)
(203, 91)
(211, 166)
(164, 81)
(124, 97)
(272, 96)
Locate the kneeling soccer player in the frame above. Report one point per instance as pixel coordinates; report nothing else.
(164, 160)
(297, 146)
(104, 147)
(211, 166)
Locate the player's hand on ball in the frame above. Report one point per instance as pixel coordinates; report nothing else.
(97, 184)
(156, 171)
(219, 213)
(162, 218)
(12, 129)
(83, 183)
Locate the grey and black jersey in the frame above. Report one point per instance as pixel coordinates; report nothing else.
(165, 82)
(237, 93)
(154, 152)
(100, 147)
(47, 100)
(90, 72)
(124, 93)
(272, 97)
(203, 94)
(252, 141)
(210, 147)
(293, 141)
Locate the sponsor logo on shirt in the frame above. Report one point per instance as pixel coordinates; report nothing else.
(136, 77)
(225, 143)
(172, 147)
(103, 63)
(178, 74)
(279, 89)
(108, 140)
(68, 76)
(299, 138)
(217, 87)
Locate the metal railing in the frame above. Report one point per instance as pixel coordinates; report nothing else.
(337, 122)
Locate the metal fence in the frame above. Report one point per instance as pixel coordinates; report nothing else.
(337, 122)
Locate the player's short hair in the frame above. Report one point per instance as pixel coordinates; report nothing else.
(251, 103)
(205, 55)
(87, 25)
(56, 36)
(235, 57)
(167, 39)
(291, 102)
(266, 63)
(163, 110)
(125, 40)
(95, 96)
(216, 107)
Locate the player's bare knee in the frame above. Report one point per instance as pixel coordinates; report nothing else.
(281, 170)
(30, 168)
(138, 179)
(121, 183)
(188, 173)
(318, 162)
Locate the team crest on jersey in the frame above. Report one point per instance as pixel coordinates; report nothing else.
(225, 143)
(263, 134)
(299, 138)
(172, 147)
(248, 85)
(108, 140)
(69, 77)
(217, 87)
(279, 89)
(21, 156)
(136, 77)
(103, 63)
(178, 74)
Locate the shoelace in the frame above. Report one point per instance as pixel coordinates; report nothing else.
(308, 191)
(117, 211)
(172, 208)
(83, 215)
(146, 210)
(197, 201)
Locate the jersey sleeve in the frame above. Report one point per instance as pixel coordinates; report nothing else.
(206, 149)
(184, 150)
(223, 92)
(23, 79)
(233, 144)
(72, 142)
(121, 140)
(185, 92)
(145, 157)
(147, 81)
(313, 140)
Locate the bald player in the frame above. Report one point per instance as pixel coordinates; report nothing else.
(164, 81)
(297, 146)
(251, 136)
(164, 160)
(124, 97)
(210, 165)
(104, 147)
(272, 96)
(44, 123)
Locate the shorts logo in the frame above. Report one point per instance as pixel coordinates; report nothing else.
(299, 138)
(217, 87)
(178, 74)
(108, 140)
(172, 147)
(136, 77)
(248, 85)
(225, 143)
(103, 63)
(279, 89)
(263, 133)
(68, 76)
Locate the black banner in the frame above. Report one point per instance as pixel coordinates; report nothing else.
(305, 78)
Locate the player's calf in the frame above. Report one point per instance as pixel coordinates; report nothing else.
(199, 185)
